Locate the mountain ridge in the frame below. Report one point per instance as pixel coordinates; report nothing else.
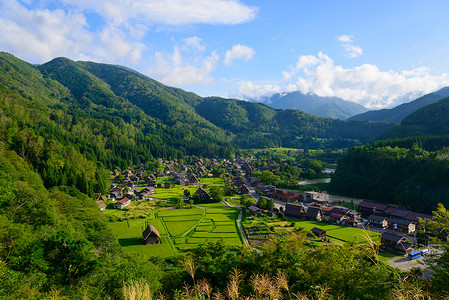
(328, 107)
(398, 113)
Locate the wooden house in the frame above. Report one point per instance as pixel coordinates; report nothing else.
(151, 235)
(313, 213)
(368, 208)
(318, 232)
(293, 210)
(254, 210)
(395, 243)
(205, 196)
(122, 203)
(378, 221)
(405, 226)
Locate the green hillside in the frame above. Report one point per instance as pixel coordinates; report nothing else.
(429, 120)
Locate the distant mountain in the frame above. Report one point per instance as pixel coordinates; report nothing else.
(118, 117)
(429, 120)
(328, 107)
(397, 114)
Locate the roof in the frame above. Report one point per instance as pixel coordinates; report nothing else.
(390, 209)
(317, 231)
(123, 201)
(373, 205)
(413, 216)
(253, 208)
(376, 218)
(391, 237)
(326, 208)
(401, 213)
(293, 210)
(336, 216)
(101, 204)
(399, 221)
(313, 211)
(149, 230)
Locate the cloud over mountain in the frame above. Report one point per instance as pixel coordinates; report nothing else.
(365, 84)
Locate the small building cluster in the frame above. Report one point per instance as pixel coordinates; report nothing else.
(386, 216)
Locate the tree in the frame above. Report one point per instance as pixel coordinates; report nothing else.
(262, 202)
(439, 226)
(216, 193)
(186, 193)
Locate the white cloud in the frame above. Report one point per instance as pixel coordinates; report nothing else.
(365, 84)
(345, 38)
(238, 52)
(38, 35)
(352, 51)
(170, 12)
(173, 69)
(194, 43)
(250, 90)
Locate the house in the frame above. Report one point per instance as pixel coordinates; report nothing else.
(318, 232)
(312, 196)
(313, 213)
(326, 210)
(167, 185)
(192, 179)
(151, 235)
(406, 226)
(399, 213)
(122, 203)
(413, 216)
(254, 210)
(378, 221)
(294, 210)
(101, 204)
(205, 196)
(287, 196)
(336, 218)
(368, 208)
(244, 189)
(395, 243)
(354, 216)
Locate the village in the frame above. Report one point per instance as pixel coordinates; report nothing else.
(194, 184)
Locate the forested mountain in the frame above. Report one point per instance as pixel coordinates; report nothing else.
(411, 172)
(429, 120)
(398, 113)
(328, 107)
(156, 114)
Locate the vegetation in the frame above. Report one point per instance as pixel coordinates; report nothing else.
(412, 177)
(66, 125)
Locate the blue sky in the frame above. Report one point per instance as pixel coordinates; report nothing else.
(375, 53)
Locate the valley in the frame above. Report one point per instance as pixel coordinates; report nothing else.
(111, 179)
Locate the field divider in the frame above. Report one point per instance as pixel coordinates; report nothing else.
(194, 226)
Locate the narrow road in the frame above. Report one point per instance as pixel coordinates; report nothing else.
(242, 232)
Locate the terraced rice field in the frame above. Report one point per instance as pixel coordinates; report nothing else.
(180, 229)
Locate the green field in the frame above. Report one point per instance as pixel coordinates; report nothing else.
(174, 192)
(341, 233)
(180, 229)
(129, 235)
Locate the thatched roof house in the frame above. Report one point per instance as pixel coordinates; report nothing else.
(151, 235)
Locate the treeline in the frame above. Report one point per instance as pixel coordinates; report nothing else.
(397, 171)
(56, 240)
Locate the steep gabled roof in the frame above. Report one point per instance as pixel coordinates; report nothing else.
(149, 230)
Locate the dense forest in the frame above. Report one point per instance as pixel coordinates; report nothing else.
(411, 172)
